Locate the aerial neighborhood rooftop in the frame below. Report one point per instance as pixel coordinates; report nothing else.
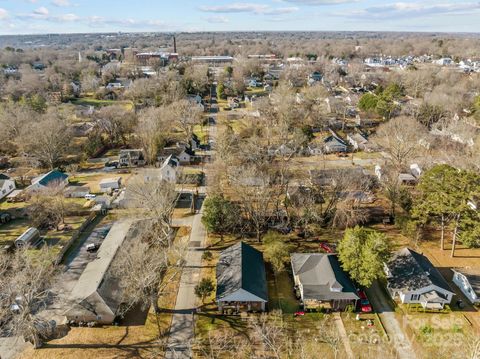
(239, 194)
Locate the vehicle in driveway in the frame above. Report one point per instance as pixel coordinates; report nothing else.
(327, 247)
(92, 247)
(365, 306)
(90, 196)
(5, 218)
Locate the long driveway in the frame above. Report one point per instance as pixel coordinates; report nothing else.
(393, 327)
(182, 328)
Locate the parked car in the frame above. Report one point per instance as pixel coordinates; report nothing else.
(5, 218)
(92, 247)
(90, 196)
(365, 305)
(327, 247)
(112, 164)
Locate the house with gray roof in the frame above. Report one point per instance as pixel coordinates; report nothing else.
(96, 296)
(241, 279)
(413, 279)
(321, 281)
(52, 178)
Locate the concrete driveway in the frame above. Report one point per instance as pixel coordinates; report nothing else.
(181, 332)
(393, 327)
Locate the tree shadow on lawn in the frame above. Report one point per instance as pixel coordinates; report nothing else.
(235, 322)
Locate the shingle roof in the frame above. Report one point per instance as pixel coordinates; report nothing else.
(412, 271)
(241, 267)
(318, 273)
(93, 277)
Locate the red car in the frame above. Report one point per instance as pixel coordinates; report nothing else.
(365, 305)
(327, 247)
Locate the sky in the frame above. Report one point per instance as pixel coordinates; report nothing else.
(73, 16)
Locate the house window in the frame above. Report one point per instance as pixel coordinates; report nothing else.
(415, 297)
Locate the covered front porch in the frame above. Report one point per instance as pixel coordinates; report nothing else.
(329, 305)
(433, 300)
(235, 307)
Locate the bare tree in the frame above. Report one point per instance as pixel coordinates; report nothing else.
(158, 199)
(25, 282)
(116, 122)
(187, 115)
(270, 331)
(48, 207)
(152, 130)
(47, 139)
(221, 344)
(259, 197)
(146, 266)
(400, 138)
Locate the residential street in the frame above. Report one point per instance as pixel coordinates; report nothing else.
(182, 327)
(392, 325)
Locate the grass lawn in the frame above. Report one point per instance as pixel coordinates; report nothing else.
(258, 91)
(202, 133)
(367, 342)
(90, 101)
(440, 335)
(10, 231)
(280, 292)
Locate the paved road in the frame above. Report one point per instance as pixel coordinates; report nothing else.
(182, 331)
(182, 328)
(393, 327)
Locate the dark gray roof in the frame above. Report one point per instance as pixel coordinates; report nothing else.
(319, 273)
(241, 267)
(412, 271)
(52, 177)
(4, 176)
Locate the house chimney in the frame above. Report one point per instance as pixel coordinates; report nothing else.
(174, 45)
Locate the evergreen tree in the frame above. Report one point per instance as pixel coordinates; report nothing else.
(220, 215)
(362, 253)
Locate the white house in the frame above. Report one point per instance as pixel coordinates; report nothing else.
(76, 191)
(7, 186)
(445, 61)
(168, 170)
(357, 140)
(468, 280)
(108, 184)
(413, 279)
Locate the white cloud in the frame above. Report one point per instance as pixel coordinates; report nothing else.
(61, 3)
(322, 2)
(42, 11)
(408, 10)
(3, 14)
(217, 19)
(258, 9)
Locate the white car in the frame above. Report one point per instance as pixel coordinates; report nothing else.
(90, 196)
